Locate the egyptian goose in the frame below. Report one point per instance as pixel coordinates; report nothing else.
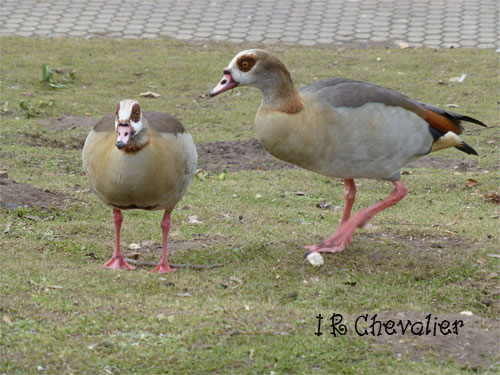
(139, 160)
(342, 128)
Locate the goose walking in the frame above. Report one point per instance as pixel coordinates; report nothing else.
(342, 128)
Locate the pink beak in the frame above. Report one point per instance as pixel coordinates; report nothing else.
(226, 83)
(124, 132)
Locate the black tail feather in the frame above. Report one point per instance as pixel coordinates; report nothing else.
(455, 117)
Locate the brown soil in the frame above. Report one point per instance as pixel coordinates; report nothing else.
(461, 165)
(236, 156)
(476, 344)
(66, 142)
(68, 122)
(15, 195)
(425, 250)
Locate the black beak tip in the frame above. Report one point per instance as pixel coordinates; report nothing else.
(120, 145)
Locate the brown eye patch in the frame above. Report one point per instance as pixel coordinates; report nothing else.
(246, 62)
(136, 112)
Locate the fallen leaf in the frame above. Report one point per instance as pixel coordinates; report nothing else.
(200, 174)
(452, 105)
(33, 217)
(404, 45)
(194, 220)
(300, 193)
(161, 317)
(459, 79)
(454, 221)
(233, 278)
(491, 275)
(292, 295)
(493, 256)
(481, 261)
(186, 294)
(134, 255)
(492, 197)
(54, 287)
(471, 182)
(7, 227)
(257, 196)
(7, 320)
(466, 313)
(149, 94)
(324, 205)
(134, 246)
(222, 176)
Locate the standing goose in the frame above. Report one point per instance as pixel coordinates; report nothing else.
(342, 128)
(139, 160)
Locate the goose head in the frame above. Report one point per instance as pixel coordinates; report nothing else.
(263, 70)
(129, 122)
(253, 67)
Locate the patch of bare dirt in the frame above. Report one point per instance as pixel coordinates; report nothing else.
(475, 345)
(431, 161)
(236, 156)
(15, 195)
(66, 132)
(68, 122)
(65, 142)
(423, 249)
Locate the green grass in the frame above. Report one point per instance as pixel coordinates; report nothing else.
(101, 321)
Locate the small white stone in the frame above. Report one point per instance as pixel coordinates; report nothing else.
(134, 246)
(315, 259)
(467, 313)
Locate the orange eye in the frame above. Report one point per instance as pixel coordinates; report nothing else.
(136, 116)
(245, 64)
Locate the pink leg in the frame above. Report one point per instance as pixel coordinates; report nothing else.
(339, 239)
(349, 197)
(117, 261)
(163, 266)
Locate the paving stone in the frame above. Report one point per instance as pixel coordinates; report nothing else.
(465, 23)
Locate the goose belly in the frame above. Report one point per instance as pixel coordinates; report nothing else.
(156, 177)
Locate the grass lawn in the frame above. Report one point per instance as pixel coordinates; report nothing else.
(431, 253)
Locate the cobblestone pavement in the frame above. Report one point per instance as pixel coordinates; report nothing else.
(430, 23)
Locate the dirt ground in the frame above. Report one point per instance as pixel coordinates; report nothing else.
(476, 341)
(15, 195)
